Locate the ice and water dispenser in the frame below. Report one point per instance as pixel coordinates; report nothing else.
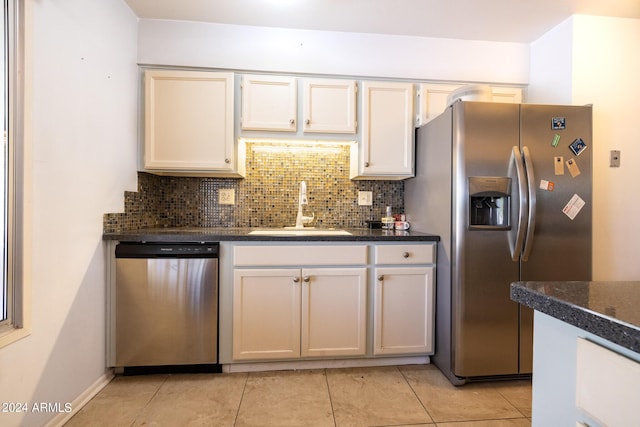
(489, 203)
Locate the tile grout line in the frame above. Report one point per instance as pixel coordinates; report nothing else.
(416, 395)
(509, 401)
(333, 412)
(244, 387)
(141, 411)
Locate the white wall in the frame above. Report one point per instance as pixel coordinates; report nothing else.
(606, 73)
(198, 44)
(551, 66)
(83, 81)
(601, 55)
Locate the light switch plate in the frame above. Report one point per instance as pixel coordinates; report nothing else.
(365, 198)
(227, 196)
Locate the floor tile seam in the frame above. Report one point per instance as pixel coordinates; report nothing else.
(244, 388)
(474, 420)
(146, 405)
(416, 394)
(326, 380)
(496, 388)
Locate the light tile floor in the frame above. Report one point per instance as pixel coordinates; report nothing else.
(409, 396)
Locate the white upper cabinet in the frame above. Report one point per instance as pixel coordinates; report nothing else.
(386, 148)
(188, 123)
(432, 98)
(269, 103)
(329, 105)
(507, 94)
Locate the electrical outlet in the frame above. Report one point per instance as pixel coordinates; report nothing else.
(365, 198)
(227, 196)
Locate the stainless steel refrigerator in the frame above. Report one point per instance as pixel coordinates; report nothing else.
(508, 189)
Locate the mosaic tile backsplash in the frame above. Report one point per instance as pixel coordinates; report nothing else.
(267, 197)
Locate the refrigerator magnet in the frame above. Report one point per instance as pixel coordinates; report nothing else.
(557, 123)
(547, 185)
(558, 165)
(578, 146)
(573, 208)
(556, 140)
(573, 168)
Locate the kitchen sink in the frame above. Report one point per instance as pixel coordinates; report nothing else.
(309, 231)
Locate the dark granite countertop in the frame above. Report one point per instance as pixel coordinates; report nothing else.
(609, 310)
(220, 234)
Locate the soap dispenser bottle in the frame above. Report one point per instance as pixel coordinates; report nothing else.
(388, 220)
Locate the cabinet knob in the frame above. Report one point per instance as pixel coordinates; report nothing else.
(227, 161)
(292, 121)
(366, 164)
(306, 279)
(405, 254)
(380, 278)
(296, 279)
(307, 122)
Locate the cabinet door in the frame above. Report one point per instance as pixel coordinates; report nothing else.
(404, 310)
(432, 101)
(269, 103)
(386, 149)
(511, 95)
(188, 121)
(329, 105)
(607, 385)
(334, 305)
(432, 98)
(266, 314)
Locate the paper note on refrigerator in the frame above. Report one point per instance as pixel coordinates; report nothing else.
(547, 185)
(573, 208)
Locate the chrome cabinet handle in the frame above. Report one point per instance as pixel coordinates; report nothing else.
(405, 254)
(306, 279)
(296, 279)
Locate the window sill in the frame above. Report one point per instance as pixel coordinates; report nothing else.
(9, 335)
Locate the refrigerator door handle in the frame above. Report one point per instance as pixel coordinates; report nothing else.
(531, 223)
(517, 244)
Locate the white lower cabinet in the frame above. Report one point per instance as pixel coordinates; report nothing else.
(291, 313)
(404, 300)
(266, 314)
(334, 307)
(313, 301)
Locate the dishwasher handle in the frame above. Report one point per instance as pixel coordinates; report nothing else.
(167, 250)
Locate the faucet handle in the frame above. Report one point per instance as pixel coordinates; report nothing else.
(308, 219)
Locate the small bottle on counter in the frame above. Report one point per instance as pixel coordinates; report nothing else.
(388, 220)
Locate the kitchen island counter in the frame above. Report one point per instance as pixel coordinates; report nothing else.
(606, 309)
(221, 234)
(586, 351)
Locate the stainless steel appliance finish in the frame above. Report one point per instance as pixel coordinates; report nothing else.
(166, 304)
(492, 180)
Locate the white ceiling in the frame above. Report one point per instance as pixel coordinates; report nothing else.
(495, 20)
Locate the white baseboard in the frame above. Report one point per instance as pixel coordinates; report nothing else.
(82, 400)
(322, 364)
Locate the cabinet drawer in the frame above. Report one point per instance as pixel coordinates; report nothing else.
(605, 384)
(405, 254)
(266, 256)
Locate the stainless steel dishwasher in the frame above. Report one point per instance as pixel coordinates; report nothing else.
(166, 305)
